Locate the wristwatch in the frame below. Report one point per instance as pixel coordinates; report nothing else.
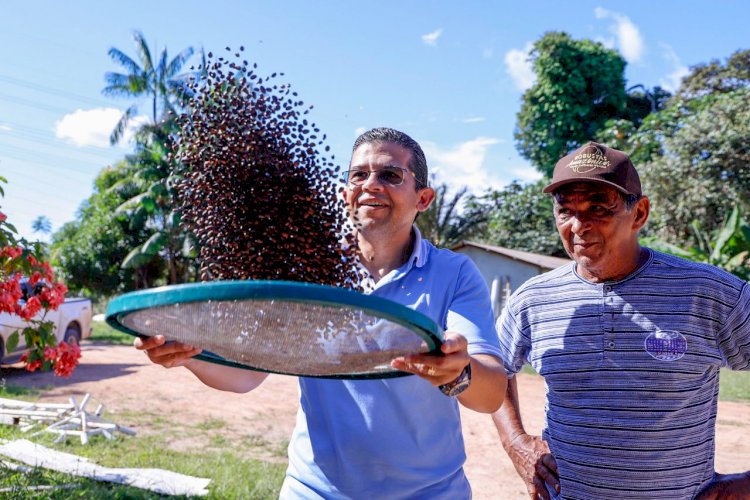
(459, 385)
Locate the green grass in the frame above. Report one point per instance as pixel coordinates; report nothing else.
(10, 391)
(105, 333)
(232, 476)
(734, 386)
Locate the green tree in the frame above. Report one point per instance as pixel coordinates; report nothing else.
(443, 223)
(152, 210)
(702, 168)
(717, 78)
(158, 80)
(520, 217)
(730, 249)
(41, 224)
(89, 251)
(579, 86)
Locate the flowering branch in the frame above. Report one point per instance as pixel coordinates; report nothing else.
(42, 295)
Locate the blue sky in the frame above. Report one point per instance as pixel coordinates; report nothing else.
(451, 74)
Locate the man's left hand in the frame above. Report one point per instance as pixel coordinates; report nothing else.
(727, 487)
(438, 370)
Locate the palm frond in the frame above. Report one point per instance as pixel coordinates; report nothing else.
(176, 64)
(122, 125)
(124, 60)
(144, 53)
(124, 85)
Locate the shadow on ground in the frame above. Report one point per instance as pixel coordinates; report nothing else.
(16, 374)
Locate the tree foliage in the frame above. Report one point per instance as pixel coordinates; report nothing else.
(450, 218)
(158, 79)
(579, 86)
(88, 252)
(520, 217)
(717, 78)
(703, 168)
(729, 249)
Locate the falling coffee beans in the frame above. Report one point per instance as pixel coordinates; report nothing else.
(253, 187)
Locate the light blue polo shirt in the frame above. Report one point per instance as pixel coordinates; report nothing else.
(399, 437)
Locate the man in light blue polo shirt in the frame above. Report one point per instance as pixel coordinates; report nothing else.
(401, 437)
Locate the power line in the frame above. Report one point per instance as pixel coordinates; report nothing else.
(51, 90)
(57, 145)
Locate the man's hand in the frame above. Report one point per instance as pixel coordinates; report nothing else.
(438, 370)
(727, 487)
(535, 464)
(166, 354)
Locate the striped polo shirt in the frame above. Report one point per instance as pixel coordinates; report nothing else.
(631, 370)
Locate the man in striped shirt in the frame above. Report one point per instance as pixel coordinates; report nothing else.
(629, 342)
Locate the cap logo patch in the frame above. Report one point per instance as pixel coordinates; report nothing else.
(666, 345)
(589, 159)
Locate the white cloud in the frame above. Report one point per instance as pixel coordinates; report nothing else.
(5, 127)
(359, 131)
(518, 66)
(629, 39)
(526, 173)
(93, 127)
(672, 81)
(432, 38)
(462, 165)
(473, 119)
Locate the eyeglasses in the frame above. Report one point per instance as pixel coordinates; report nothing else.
(390, 176)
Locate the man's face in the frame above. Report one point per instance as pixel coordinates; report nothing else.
(597, 230)
(378, 206)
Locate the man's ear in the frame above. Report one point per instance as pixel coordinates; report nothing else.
(345, 194)
(425, 196)
(642, 208)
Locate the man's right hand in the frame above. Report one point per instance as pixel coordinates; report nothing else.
(535, 464)
(166, 354)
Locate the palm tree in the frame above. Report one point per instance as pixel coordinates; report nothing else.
(159, 80)
(442, 224)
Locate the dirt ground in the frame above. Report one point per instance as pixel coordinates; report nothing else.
(124, 380)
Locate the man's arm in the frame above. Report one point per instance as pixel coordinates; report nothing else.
(488, 380)
(173, 354)
(530, 454)
(727, 487)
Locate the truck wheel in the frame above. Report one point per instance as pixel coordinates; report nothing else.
(72, 335)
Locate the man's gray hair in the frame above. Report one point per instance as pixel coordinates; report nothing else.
(418, 163)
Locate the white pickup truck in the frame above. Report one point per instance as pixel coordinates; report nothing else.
(72, 323)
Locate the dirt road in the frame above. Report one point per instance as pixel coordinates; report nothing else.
(127, 383)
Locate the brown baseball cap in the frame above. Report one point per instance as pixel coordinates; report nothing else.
(595, 162)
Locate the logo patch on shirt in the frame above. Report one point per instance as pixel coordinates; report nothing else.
(666, 345)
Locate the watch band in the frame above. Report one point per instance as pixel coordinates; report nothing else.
(459, 385)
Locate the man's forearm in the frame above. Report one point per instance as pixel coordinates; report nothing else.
(488, 383)
(508, 418)
(226, 378)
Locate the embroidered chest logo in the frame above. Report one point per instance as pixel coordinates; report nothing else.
(589, 159)
(666, 345)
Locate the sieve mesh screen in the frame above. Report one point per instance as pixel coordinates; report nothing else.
(297, 338)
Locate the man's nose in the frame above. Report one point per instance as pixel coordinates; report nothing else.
(372, 181)
(579, 224)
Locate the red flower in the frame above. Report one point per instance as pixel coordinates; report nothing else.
(11, 252)
(67, 359)
(34, 365)
(50, 354)
(35, 278)
(48, 274)
(33, 306)
(10, 294)
(53, 296)
(3, 217)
